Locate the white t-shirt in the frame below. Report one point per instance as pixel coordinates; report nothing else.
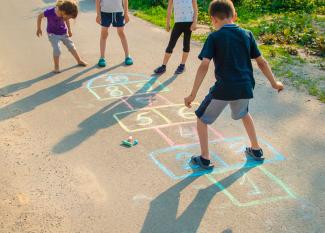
(183, 11)
(111, 6)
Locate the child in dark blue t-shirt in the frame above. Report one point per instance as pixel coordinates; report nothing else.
(231, 49)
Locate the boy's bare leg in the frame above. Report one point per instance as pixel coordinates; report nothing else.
(202, 130)
(56, 60)
(250, 129)
(120, 32)
(166, 58)
(184, 58)
(103, 38)
(77, 57)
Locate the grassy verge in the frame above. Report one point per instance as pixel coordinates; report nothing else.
(282, 36)
(155, 15)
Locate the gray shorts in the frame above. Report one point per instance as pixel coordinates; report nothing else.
(55, 42)
(210, 109)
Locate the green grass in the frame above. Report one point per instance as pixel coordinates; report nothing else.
(282, 65)
(155, 15)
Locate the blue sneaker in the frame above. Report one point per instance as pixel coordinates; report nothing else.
(180, 69)
(160, 70)
(128, 61)
(102, 62)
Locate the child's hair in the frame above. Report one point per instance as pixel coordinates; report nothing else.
(69, 7)
(222, 9)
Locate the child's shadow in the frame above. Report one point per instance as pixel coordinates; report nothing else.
(104, 117)
(162, 215)
(10, 89)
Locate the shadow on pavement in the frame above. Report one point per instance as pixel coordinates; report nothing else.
(29, 103)
(162, 215)
(104, 117)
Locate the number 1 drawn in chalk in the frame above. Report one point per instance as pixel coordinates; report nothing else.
(256, 190)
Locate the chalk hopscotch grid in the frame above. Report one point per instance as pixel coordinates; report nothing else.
(145, 79)
(276, 180)
(277, 156)
(153, 109)
(225, 168)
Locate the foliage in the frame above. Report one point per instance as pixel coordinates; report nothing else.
(280, 5)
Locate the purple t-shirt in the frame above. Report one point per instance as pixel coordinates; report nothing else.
(55, 24)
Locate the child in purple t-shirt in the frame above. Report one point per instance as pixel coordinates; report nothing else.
(58, 29)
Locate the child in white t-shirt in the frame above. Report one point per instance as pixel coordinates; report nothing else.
(185, 14)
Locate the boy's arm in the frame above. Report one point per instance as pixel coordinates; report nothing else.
(200, 75)
(126, 10)
(39, 24)
(265, 68)
(67, 22)
(98, 10)
(196, 10)
(169, 14)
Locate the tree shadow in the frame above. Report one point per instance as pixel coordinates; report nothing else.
(29, 103)
(104, 117)
(7, 90)
(162, 215)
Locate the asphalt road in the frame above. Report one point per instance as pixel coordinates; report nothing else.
(63, 169)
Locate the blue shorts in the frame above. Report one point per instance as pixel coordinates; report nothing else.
(116, 18)
(211, 108)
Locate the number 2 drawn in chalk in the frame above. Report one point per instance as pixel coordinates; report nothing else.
(255, 190)
(143, 120)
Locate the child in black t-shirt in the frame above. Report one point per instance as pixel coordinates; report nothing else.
(231, 49)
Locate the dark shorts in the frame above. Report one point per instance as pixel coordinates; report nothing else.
(116, 18)
(211, 108)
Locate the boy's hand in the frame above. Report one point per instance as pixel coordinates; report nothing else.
(69, 33)
(39, 32)
(126, 18)
(188, 101)
(193, 26)
(98, 19)
(278, 86)
(167, 27)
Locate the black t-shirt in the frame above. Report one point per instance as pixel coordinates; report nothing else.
(232, 49)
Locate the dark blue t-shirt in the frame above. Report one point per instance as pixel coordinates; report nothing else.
(232, 49)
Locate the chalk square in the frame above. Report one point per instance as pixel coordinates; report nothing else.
(144, 87)
(139, 120)
(111, 92)
(165, 159)
(246, 187)
(118, 78)
(180, 113)
(147, 100)
(232, 151)
(186, 133)
(175, 161)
